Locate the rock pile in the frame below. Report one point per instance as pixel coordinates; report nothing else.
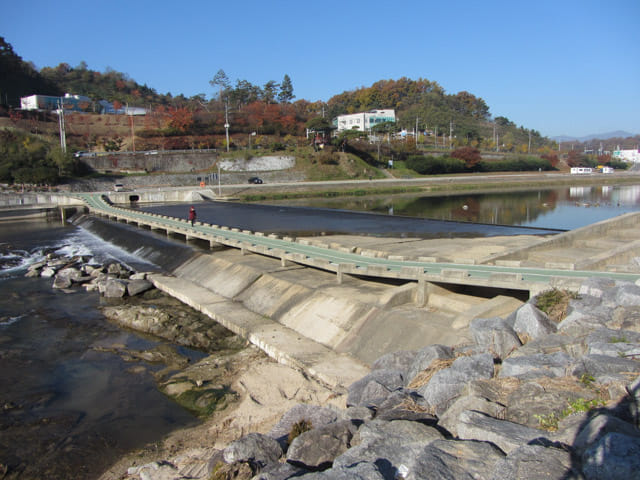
(112, 280)
(529, 399)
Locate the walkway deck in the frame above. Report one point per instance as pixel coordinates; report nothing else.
(505, 272)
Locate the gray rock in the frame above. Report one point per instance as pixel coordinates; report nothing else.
(597, 426)
(535, 461)
(135, 287)
(47, 272)
(447, 384)
(579, 323)
(281, 471)
(458, 460)
(402, 360)
(357, 471)
(504, 434)
(61, 281)
(533, 399)
(426, 356)
(628, 295)
(389, 445)
(494, 335)
(532, 322)
(114, 288)
(359, 413)
(255, 449)
(374, 387)
(403, 405)
(596, 287)
(397, 431)
(318, 416)
(316, 449)
(451, 417)
(614, 456)
(537, 365)
(604, 368)
(618, 349)
(552, 343)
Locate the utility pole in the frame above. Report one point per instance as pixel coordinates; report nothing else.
(450, 132)
(63, 135)
(416, 133)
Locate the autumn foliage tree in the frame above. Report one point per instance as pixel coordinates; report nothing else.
(180, 118)
(471, 156)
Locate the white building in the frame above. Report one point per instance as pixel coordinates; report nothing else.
(627, 155)
(69, 102)
(364, 121)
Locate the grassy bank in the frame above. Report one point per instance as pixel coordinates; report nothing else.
(435, 186)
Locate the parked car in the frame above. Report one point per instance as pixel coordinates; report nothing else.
(256, 180)
(118, 187)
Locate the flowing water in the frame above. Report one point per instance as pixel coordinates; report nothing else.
(67, 410)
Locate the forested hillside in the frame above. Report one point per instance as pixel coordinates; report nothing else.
(460, 119)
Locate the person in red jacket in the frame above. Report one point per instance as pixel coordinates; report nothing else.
(192, 215)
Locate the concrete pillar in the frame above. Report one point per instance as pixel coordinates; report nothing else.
(422, 294)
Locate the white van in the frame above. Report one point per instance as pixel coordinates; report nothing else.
(118, 187)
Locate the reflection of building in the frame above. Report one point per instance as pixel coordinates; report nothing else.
(627, 155)
(73, 103)
(364, 121)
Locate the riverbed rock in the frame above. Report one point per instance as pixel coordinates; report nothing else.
(114, 288)
(137, 286)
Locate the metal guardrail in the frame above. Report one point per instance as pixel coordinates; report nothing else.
(342, 261)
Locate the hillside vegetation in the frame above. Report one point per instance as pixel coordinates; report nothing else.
(454, 130)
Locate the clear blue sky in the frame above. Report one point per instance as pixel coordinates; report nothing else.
(560, 67)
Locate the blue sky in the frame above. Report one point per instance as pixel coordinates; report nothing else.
(560, 67)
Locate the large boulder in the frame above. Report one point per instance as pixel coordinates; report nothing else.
(615, 455)
(507, 436)
(316, 449)
(494, 335)
(375, 387)
(255, 449)
(535, 461)
(532, 323)
(447, 384)
(533, 366)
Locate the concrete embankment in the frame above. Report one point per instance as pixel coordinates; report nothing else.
(303, 318)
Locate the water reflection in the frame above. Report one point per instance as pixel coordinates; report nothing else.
(561, 208)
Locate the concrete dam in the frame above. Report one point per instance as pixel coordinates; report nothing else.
(299, 315)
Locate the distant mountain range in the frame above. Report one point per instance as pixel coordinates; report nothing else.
(597, 136)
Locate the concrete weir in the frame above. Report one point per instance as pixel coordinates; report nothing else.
(302, 317)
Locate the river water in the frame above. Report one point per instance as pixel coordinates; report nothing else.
(66, 409)
(69, 411)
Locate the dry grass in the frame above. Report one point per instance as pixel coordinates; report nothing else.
(424, 376)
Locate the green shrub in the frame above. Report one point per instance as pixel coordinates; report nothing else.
(428, 165)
